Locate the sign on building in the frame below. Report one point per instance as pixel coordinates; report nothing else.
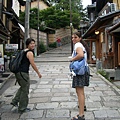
(11, 46)
(2, 65)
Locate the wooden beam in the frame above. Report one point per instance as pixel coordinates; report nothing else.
(89, 39)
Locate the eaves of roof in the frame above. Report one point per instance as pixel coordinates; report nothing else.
(101, 20)
(12, 15)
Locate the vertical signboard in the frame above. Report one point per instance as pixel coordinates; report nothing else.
(2, 65)
(9, 50)
(118, 53)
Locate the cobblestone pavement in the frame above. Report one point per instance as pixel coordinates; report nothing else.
(52, 98)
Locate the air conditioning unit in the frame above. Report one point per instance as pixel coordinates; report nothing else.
(113, 7)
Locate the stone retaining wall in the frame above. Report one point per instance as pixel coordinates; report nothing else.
(64, 34)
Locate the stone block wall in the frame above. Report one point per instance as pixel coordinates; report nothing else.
(64, 34)
(42, 36)
(42, 5)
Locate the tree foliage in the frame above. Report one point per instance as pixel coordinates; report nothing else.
(56, 16)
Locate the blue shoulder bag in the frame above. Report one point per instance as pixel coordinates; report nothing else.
(79, 66)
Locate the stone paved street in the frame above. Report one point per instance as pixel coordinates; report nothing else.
(53, 98)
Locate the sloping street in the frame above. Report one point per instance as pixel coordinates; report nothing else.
(53, 98)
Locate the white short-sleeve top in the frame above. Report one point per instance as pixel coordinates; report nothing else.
(78, 44)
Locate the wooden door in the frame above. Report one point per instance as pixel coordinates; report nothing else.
(118, 53)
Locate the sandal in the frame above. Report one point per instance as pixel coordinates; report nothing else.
(74, 118)
(81, 117)
(78, 118)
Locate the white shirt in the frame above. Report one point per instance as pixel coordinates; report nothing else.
(78, 44)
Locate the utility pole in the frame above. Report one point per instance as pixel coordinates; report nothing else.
(27, 15)
(71, 25)
(81, 26)
(38, 45)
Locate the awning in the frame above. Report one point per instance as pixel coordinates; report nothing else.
(49, 30)
(114, 28)
(99, 22)
(22, 28)
(15, 23)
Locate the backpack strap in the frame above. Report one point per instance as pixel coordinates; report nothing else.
(22, 77)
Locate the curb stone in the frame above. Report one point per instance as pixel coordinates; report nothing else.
(108, 82)
(112, 85)
(5, 80)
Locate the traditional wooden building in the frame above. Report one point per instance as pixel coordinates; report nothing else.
(10, 20)
(103, 41)
(114, 32)
(34, 4)
(4, 32)
(10, 30)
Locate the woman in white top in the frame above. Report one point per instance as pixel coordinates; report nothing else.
(79, 81)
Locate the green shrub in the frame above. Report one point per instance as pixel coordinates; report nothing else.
(42, 47)
(9, 53)
(53, 45)
(103, 73)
